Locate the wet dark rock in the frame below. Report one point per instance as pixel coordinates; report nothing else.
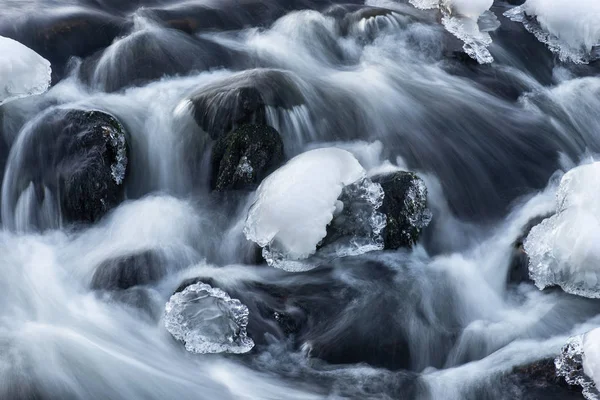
(58, 36)
(242, 158)
(360, 311)
(538, 380)
(149, 54)
(71, 161)
(131, 270)
(405, 207)
(243, 99)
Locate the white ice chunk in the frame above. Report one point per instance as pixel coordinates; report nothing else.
(569, 28)
(460, 18)
(579, 363)
(207, 320)
(23, 72)
(295, 204)
(563, 249)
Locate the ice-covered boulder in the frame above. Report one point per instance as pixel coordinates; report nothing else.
(460, 18)
(68, 166)
(242, 158)
(568, 27)
(405, 207)
(295, 204)
(23, 72)
(579, 363)
(563, 249)
(207, 320)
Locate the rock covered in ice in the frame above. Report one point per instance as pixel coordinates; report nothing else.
(207, 320)
(405, 207)
(579, 363)
(460, 18)
(295, 204)
(23, 72)
(569, 28)
(563, 249)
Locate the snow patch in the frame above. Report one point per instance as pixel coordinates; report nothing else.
(23, 72)
(460, 18)
(563, 249)
(569, 28)
(294, 206)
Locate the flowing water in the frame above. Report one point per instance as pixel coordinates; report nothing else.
(380, 78)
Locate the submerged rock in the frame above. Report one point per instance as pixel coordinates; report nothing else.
(128, 271)
(149, 54)
(536, 381)
(207, 320)
(68, 167)
(405, 207)
(243, 98)
(65, 33)
(242, 158)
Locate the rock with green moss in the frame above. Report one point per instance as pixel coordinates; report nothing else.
(405, 207)
(243, 157)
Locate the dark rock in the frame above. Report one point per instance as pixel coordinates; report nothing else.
(131, 270)
(539, 381)
(242, 99)
(242, 158)
(72, 162)
(149, 54)
(59, 35)
(405, 207)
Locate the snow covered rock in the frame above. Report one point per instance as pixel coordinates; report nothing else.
(568, 27)
(23, 72)
(579, 363)
(563, 249)
(207, 320)
(460, 18)
(295, 204)
(242, 158)
(405, 207)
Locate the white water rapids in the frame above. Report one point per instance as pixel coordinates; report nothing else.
(490, 118)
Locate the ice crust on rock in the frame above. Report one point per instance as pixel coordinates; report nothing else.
(294, 206)
(23, 72)
(569, 28)
(460, 18)
(579, 362)
(563, 249)
(207, 320)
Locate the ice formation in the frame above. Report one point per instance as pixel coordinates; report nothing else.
(295, 205)
(460, 18)
(207, 320)
(569, 28)
(579, 363)
(23, 72)
(563, 249)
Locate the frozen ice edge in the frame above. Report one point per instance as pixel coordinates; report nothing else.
(195, 339)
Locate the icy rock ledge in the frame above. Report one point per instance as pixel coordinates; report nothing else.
(295, 205)
(569, 28)
(460, 18)
(23, 72)
(207, 320)
(579, 361)
(563, 249)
